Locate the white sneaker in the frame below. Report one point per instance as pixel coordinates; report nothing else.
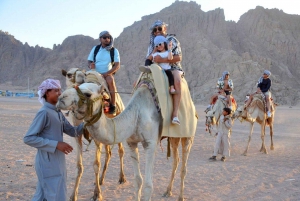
(269, 114)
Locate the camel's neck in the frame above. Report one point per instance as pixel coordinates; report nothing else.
(217, 110)
(117, 129)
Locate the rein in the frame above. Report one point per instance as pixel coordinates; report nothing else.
(96, 117)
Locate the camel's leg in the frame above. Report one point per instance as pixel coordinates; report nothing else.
(271, 135)
(107, 159)
(174, 145)
(251, 131)
(97, 164)
(138, 180)
(150, 147)
(186, 144)
(122, 178)
(262, 135)
(79, 168)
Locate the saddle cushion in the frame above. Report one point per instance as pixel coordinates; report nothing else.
(186, 114)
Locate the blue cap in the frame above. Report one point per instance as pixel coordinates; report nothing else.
(159, 39)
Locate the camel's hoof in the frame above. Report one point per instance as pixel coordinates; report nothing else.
(180, 199)
(96, 199)
(244, 154)
(272, 147)
(167, 194)
(122, 180)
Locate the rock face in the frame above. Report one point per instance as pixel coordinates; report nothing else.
(261, 39)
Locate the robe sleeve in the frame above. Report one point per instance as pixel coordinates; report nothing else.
(33, 138)
(73, 131)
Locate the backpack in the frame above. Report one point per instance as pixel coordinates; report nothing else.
(112, 54)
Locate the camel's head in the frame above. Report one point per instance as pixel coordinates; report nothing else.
(210, 118)
(74, 76)
(238, 112)
(83, 100)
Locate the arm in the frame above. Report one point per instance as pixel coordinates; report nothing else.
(158, 59)
(73, 131)
(170, 54)
(228, 122)
(91, 63)
(32, 137)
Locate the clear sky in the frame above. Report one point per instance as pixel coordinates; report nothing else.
(48, 22)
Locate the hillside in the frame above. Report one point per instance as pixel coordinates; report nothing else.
(261, 39)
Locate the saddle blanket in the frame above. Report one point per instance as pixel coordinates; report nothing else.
(187, 112)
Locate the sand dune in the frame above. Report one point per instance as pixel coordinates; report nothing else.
(275, 176)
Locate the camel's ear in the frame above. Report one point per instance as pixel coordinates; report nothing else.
(63, 72)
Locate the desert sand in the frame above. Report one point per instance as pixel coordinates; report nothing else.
(258, 176)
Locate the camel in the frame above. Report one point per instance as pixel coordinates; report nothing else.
(255, 112)
(139, 122)
(213, 116)
(75, 77)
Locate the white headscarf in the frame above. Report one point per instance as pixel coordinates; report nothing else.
(47, 84)
(224, 74)
(268, 73)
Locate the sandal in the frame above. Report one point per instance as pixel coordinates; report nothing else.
(176, 121)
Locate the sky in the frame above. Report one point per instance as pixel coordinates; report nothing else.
(48, 22)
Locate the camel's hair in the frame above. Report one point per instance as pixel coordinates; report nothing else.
(139, 122)
(255, 112)
(75, 76)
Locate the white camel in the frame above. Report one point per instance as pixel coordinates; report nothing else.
(139, 122)
(75, 77)
(255, 112)
(213, 116)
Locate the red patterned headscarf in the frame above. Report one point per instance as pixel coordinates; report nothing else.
(47, 84)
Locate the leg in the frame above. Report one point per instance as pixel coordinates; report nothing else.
(271, 134)
(268, 102)
(186, 144)
(122, 178)
(138, 180)
(174, 145)
(251, 131)
(150, 147)
(97, 164)
(262, 135)
(226, 143)
(177, 96)
(218, 143)
(107, 159)
(229, 101)
(79, 168)
(249, 101)
(112, 88)
(171, 81)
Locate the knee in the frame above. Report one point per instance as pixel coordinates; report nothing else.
(109, 79)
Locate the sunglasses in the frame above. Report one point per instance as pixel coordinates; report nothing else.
(157, 29)
(160, 44)
(105, 37)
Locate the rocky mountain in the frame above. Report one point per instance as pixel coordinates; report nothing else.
(261, 39)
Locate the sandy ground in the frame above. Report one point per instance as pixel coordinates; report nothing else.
(275, 176)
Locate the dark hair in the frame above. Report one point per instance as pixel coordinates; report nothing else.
(166, 46)
(228, 110)
(45, 97)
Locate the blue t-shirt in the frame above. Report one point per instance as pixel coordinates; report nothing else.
(103, 60)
